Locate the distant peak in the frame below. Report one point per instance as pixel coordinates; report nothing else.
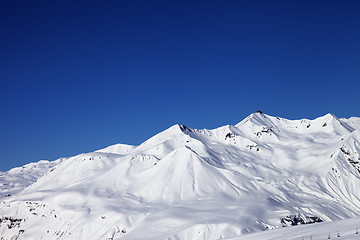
(327, 117)
(330, 115)
(184, 128)
(260, 114)
(258, 118)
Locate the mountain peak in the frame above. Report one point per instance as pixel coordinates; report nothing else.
(258, 118)
(328, 116)
(171, 186)
(328, 124)
(184, 128)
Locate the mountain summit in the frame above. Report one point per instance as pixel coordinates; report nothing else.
(264, 172)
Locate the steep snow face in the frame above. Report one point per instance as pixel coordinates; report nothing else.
(186, 183)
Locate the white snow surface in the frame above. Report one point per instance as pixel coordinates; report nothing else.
(343, 229)
(235, 182)
(18, 178)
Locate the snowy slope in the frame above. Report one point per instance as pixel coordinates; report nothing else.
(186, 183)
(343, 229)
(17, 179)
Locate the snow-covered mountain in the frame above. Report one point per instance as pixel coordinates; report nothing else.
(262, 173)
(17, 179)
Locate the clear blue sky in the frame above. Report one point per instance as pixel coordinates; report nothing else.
(77, 76)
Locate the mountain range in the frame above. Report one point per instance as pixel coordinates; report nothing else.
(263, 173)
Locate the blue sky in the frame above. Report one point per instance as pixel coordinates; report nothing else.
(77, 76)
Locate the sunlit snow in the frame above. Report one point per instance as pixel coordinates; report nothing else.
(235, 182)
